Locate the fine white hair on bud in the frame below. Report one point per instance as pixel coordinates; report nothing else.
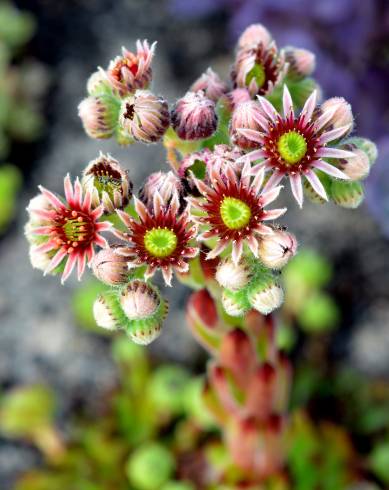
(254, 34)
(233, 276)
(99, 115)
(356, 167)
(266, 296)
(276, 249)
(139, 300)
(301, 62)
(110, 267)
(342, 113)
(106, 312)
(235, 302)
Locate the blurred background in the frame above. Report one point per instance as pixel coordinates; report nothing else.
(48, 49)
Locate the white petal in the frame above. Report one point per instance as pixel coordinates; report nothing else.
(334, 134)
(273, 181)
(237, 249)
(309, 106)
(329, 169)
(273, 214)
(318, 187)
(324, 119)
(297, 188)
(217, 250)
(258, 180)
(327, 152)
(287, 102)
(268, 109)
(251, 135)
(271, 195)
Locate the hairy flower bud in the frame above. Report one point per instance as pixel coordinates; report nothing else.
(265, 295)
(110, 267)
(347, 194)
(342, 113)
(132, 71)
(99, 115)
(194, 117)
(107, 312)
(108, 183)
(367, 146)
(167, 184)
(301, 62)
(98, 83)
(144, 116)
(356, 167)
(211, 84)
(233, 276)
(235, 302)
(276, 249)
(146, 310)
(247, 115)
(235, 97)
(254, 34)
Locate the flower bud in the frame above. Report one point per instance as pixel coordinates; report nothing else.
(247, 115)
(254, 34)
(356, 167)
(107, 312)
(108, 183)
(236, 97)
(144, 116)
(98, 83)
(301, 62)
(276, 249)
(99, 115)
(233, 276)
(347, 194)
(110, 267)
(167, 184)
(261, 392)
(132, 71)
(235, 303)
(265, 295)
(210, 84)
(194, 117)
(342, 115)
(367, 146)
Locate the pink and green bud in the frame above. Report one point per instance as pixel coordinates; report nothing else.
(276, 249)
(367, 146)
(144, 116)
(108, 183)
(253, 35)
(247, 115)
(342, 114)
(347, 194)
(194, 117)
(99, 115)
(167, 184)
(265, 295)
(236, 97)
(233, 276)
(356, 167)
(110, 267)
(235, 303)
(301, 62)
(210, 84)
(107, 312)
(98, 83)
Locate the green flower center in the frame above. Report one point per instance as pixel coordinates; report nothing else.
(292, 147)
(258, 74)
(160, 242)
(76, 227)
(235, 213)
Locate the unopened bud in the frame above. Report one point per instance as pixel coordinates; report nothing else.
(98, 83)
(247, 115)
(233, 276)
(235, 303)
(343, 115)
(167, 184)
(276, 249)
(301, 62)
(356, 167)
(194, 117)
(347, 194)
(144, 116)
(236, 97)
(108, 183)
(367, 146)
(99, 115)
(211, 84)
(110, 267)
(254, 34)
(107, 312)
(265, 295)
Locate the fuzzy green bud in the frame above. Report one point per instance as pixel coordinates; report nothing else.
(347, 194)
(265, 295)
(235, 303)
(367, 146)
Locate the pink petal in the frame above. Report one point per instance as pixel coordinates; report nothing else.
(46, 247)
(273, 214)
(245, 176)
(158, 204)
(271, 195)
(81, 266)
(237, 249)
(329, 169)
(150, 271)
(297, 188)
(42, 230)
(141, 209)
(68, 189)
(55, 261)
(273, 181)
(263, 229)
(287, 103)
(334, 134)
(126, 219)
(217, 250)
(268, 109)
(258, 180)
(71, 262)
(251, 135)
(86, 205)
(54, 200)
(100, 241)
(167, 274)
(324, 119)
(42, 213)
(327, 152)
(252, 242)
(309, 106)
(318, 187)
(78, 192)
(252, 156)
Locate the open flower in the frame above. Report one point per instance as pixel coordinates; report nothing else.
(232, 208)
(69, 229)
(132, 71)
(160, 238)
(296, 145)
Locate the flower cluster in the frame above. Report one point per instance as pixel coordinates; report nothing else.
(207, 221)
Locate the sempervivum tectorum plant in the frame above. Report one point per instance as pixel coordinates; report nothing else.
(68, 230)
(144, 116)
(194, 116)
(259, 66)
(108, 183)
(160, 238)
(297, 146)
(132, 71)
(232, 209)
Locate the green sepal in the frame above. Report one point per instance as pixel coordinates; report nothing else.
(347, 194)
